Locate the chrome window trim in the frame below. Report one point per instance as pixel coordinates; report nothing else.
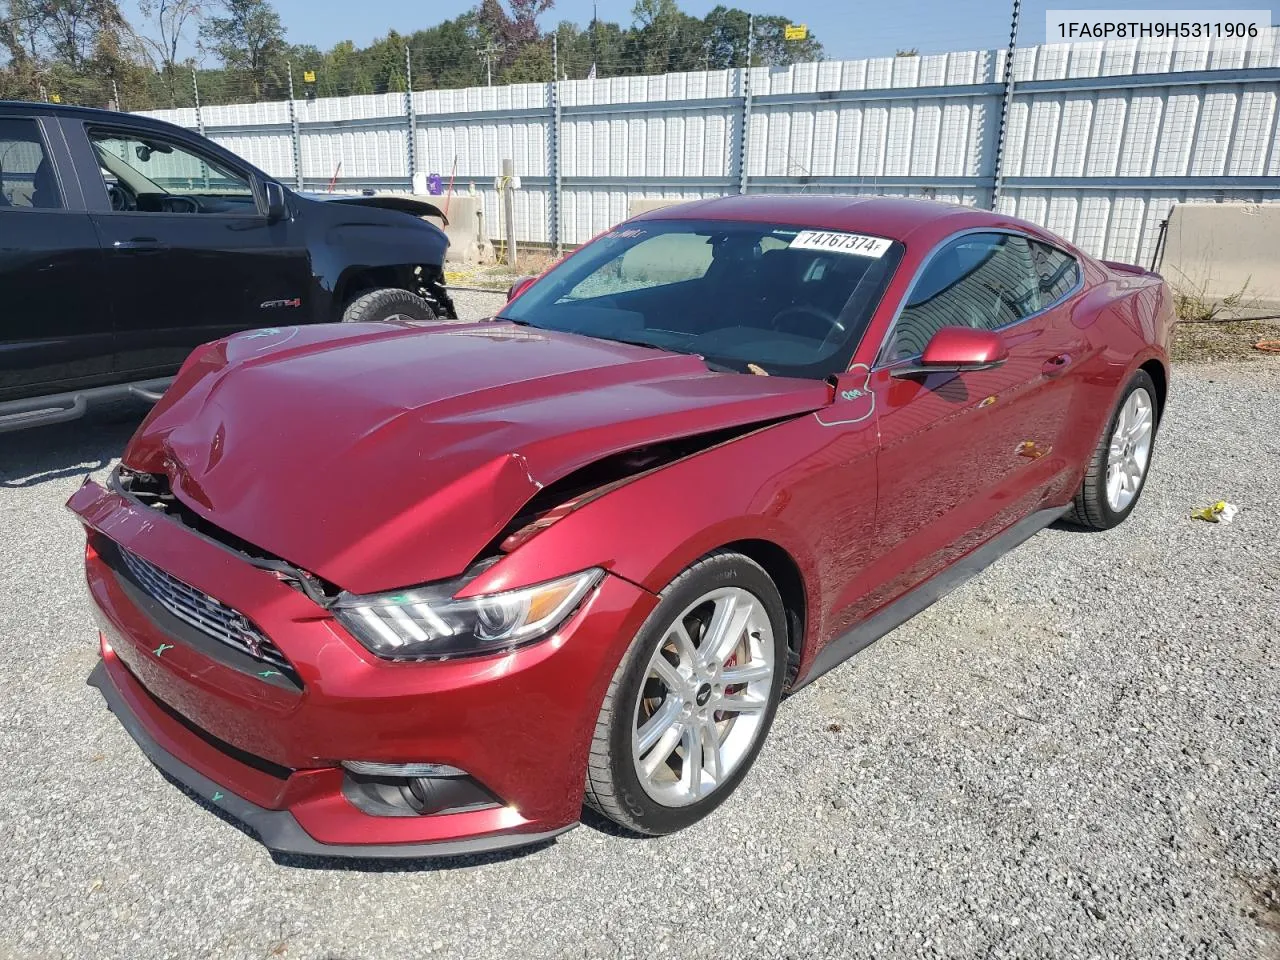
(879, 363)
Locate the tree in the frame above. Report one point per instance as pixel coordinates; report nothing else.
(85, 51)
(72, 48)
(515, 30)
(444, 56)
(168, 19)
(249, 38)
(666, 39)
(773, 49)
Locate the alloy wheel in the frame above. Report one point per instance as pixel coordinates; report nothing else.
(1130, 449)
(704, 697)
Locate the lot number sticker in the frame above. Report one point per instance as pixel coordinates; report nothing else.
(851, 243)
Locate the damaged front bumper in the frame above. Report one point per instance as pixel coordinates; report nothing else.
(277, 830)
(265, 746)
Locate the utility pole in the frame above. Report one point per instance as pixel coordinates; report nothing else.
(595, 53)
(1006, 104)
(489, 51)
(115, 94)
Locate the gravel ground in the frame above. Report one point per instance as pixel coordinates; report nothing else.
(1074, 755)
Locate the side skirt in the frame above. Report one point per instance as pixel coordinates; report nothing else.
(63, 407)
(926, 594)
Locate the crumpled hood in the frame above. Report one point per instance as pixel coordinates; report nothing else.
(379, 456)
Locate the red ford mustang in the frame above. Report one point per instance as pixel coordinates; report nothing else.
(384, 590)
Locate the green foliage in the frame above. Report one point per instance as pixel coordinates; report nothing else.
(249, 38)
(79, 48)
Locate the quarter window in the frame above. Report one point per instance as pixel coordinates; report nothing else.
(27, 178)
(981, 280)
(1058, 272)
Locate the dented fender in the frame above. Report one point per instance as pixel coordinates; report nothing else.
(771, 485)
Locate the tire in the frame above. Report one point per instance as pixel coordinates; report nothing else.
(668, 799)
(1096, 506)
(388, 303)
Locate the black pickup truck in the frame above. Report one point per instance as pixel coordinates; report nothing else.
(125, 242)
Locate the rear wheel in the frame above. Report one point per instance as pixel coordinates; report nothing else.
(1118, 468)
(688, 708)
(389, 304)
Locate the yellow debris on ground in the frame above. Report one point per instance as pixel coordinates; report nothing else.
(1220, 512)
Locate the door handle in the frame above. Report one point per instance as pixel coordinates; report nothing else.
(1055, 365)
(139, 243)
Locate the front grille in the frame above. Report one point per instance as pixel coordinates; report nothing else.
(209, 616)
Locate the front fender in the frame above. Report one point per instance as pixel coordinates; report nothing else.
(347, 239)
(787, 485)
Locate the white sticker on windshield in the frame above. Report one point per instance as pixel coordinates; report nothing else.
(852, 243)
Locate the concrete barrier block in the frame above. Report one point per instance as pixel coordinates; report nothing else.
(1226, 253)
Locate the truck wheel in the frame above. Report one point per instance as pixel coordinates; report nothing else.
(388, 304)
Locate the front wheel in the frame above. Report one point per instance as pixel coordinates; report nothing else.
(690, 704)
(388, 305)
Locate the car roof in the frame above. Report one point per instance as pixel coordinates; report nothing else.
(897, 218)
(28, 108)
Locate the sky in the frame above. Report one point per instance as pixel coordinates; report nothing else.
(848, 30)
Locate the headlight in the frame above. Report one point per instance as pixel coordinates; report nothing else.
(428, 623)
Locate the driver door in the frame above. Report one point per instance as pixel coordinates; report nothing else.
(965, 455)
(190, 257)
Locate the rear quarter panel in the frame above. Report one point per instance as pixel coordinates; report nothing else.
(1128, 316)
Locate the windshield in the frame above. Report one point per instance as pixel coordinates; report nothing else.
(786, 300)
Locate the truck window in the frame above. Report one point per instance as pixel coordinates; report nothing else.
(27, 178)
(146, 174)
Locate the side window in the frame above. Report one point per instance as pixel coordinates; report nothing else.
(27, 179)
(1058, 272)
(665, 259)
(981, 280)
(146, 174)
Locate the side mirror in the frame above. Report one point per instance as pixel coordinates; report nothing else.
(277, 209)
(957, 350)
(520, 286)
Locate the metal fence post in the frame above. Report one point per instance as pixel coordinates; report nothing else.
(553, 147)
(1005, 105)
(412, 144)
(195, 90)
(745, 125)
(297, 137)
(507, 195)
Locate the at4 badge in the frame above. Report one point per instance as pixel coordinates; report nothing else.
(855, 400)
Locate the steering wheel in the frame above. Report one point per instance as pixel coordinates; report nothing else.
(831, 320)
(179, 204)
(119, 199)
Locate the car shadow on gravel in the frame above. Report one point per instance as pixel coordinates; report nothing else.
(39, 455)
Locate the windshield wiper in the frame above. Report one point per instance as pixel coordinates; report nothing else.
(595, 336)
(636, 343)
